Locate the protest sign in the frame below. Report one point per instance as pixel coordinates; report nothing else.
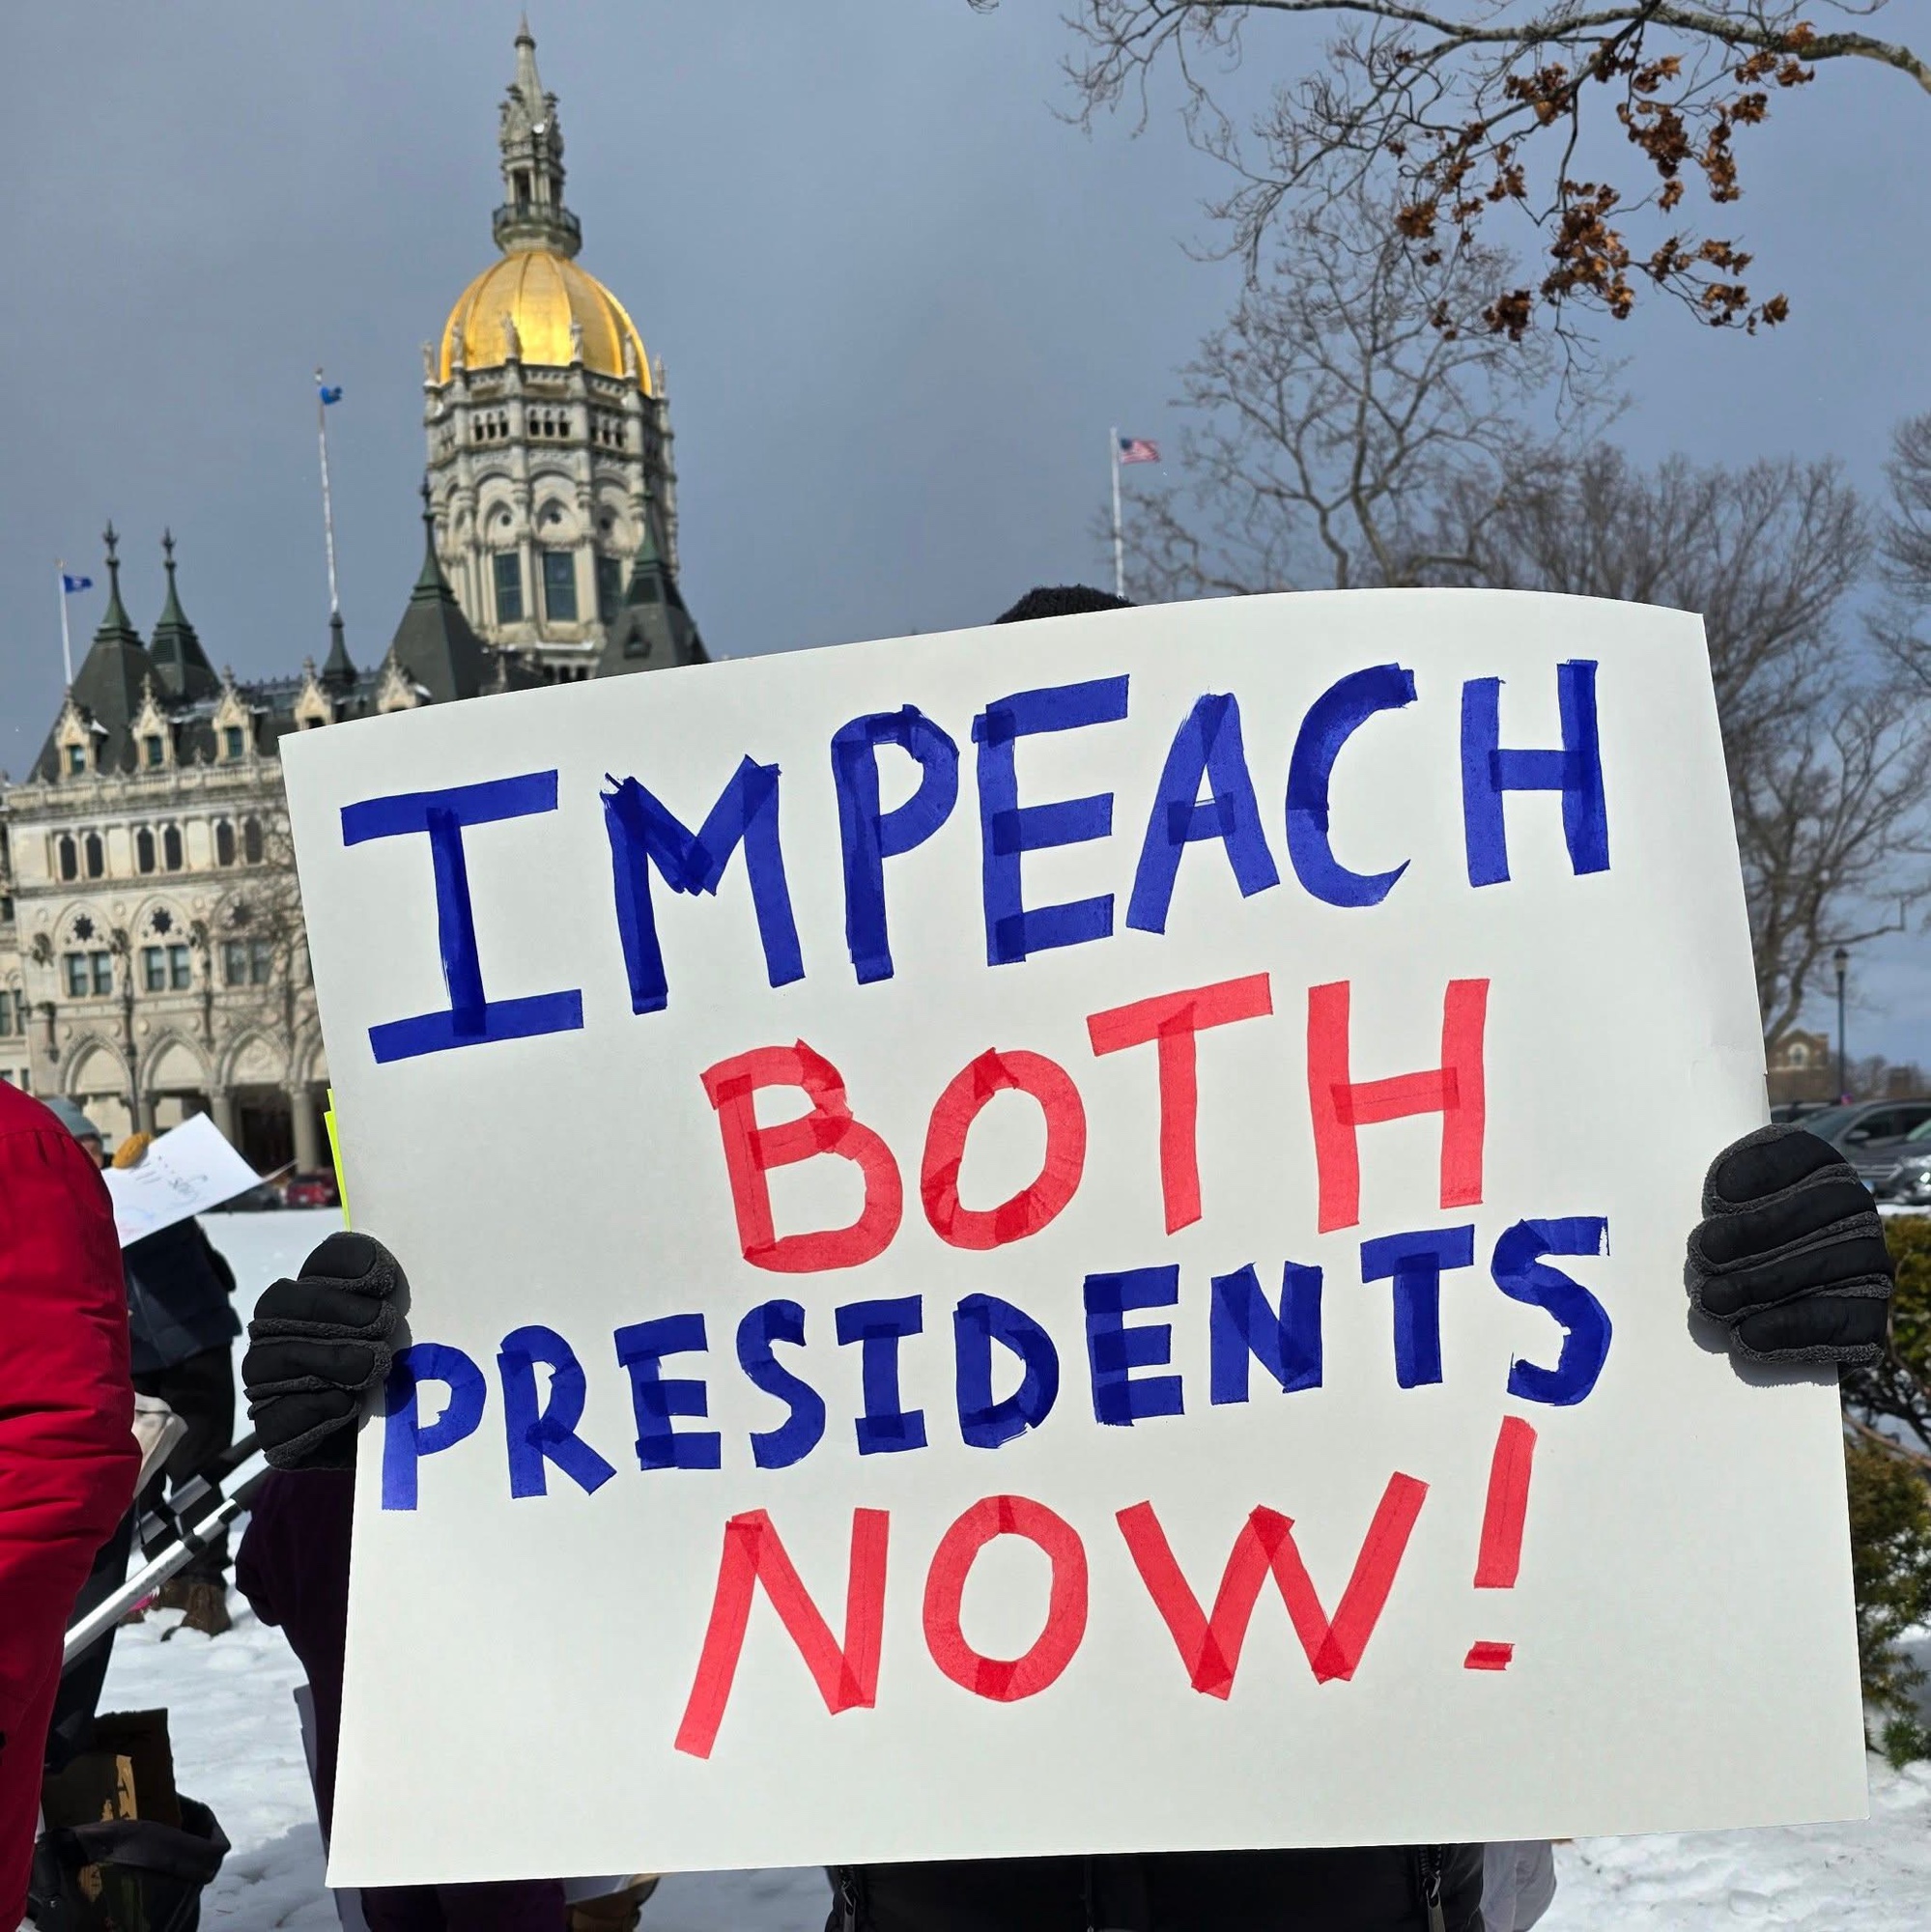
(1064, 1237)
(185, 1171)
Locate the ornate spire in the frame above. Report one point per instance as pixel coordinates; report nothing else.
(180, 661)
(338, 674)
(115, 627)
(107, 688)
(430, 581)
(433, 644)
(654, 629)
(533, 215)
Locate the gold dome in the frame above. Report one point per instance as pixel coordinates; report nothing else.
(542, 292)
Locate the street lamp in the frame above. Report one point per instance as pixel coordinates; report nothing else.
(1840, 959)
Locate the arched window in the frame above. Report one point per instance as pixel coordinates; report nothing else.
(95, 855)
(251, 840)
(171, 848)
(69, 857)
(225, 842)
(143, 850)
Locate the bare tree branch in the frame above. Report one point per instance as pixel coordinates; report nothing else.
(1828, 757)
(1340, 416)
(1486, 106)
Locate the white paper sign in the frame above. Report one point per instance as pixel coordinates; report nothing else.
(1064, 1237)
(185, 1171)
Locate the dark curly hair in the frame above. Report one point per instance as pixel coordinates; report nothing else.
(1060, 600)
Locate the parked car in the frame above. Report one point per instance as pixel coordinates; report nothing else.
(310, 1190)
(1800, 1113)
(1874, 1135)
(1905, 1170)
(257, 1200)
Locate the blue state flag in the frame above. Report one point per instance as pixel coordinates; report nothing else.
(71, 584)
(327, 394)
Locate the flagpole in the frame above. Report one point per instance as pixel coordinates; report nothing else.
(65, 641)
(1118, 543)
(327, 508)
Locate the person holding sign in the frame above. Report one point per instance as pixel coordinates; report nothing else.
(1787, 1264)
(68, 1454)
(181, 1321)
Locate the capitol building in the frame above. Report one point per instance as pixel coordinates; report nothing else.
(153, 963)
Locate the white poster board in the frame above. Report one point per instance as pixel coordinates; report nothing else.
(185, 1171)
(1372, 989)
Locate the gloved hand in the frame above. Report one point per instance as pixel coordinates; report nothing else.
(318, 1345)
(1790, 1256)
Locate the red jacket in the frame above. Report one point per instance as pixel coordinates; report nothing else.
(68, 1459)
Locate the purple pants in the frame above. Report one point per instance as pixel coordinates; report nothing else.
(516, 1904)
(293, 1567)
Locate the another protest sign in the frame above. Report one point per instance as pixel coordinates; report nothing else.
(185, 1171)
(1064, 1238)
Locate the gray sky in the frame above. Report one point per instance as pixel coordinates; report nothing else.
(901, 301)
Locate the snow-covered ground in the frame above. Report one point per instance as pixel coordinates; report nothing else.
(237, 1747)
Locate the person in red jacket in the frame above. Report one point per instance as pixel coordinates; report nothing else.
(68, 1457)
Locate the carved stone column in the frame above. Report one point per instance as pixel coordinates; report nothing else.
(307, 1135)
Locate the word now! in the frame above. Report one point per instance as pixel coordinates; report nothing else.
(541, 1426)
(1209, 1641)
(648, 839)
(846, 1675)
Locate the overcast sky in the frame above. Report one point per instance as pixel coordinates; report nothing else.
(901, 299)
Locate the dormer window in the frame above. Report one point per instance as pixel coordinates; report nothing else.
(76, 760)
(231, 741)
(151, 750)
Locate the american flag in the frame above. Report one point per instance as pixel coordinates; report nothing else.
(1137, 449)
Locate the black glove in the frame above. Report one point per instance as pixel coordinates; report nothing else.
(317, 1346)
(1791, 1257)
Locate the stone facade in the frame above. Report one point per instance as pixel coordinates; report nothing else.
(152, 962)
(151, 957)
(155, 962)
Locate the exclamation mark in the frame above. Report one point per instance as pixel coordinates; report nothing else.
(1500, 1559)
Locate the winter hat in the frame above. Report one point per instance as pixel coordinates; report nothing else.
(1062, 600)
(130, 1150)
(69, 1116)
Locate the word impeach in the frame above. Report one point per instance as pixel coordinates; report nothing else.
(647, 838)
